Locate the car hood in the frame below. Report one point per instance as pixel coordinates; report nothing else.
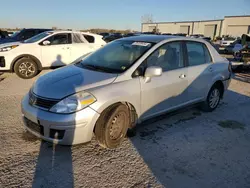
(9, 44)
(7, 40)
(69, 80)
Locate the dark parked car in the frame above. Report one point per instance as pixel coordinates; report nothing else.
(3, 34)
(104, 34)
(112, 37)
(23, 35)
(131, 34)
(166, 34)
(180, 34)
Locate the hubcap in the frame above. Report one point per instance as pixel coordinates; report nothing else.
(214, 98)
(26, 69)
(116, 127)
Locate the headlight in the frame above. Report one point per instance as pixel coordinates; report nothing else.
(8, 48)
(73, 103)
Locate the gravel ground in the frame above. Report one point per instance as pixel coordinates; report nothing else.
(186, 149)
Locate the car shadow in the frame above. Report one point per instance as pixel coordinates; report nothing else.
(242, 73)
(58, 62)
(54, 165)
(181, 152)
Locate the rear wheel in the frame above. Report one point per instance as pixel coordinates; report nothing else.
(213, 98)
(26, 68)
(112, 126)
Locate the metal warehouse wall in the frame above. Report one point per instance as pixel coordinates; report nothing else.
(199, 27)
(173, 27)
(148, 27)
(236, 26)
(231, 25)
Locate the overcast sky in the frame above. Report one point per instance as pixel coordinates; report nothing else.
(112, 14)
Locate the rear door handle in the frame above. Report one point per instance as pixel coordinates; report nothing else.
(182, 76)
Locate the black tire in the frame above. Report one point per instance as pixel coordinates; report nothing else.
(208, 105)
(108, 132)
(26, 68)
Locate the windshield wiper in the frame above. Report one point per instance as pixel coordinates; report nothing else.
(100, 68)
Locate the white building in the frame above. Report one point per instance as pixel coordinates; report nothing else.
(230, 25)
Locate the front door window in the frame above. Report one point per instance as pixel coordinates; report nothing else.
(168, 57)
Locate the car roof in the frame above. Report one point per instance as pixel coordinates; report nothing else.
(150, 38)
(91, 34)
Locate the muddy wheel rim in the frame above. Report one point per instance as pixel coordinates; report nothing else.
(117, 125)
(26, 69)
(214, 98)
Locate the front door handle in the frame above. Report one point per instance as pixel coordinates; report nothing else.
(65, 48)
(182, 76)
(211, 69)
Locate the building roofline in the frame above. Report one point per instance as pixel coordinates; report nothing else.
(190, 21)
(237, 16)
(186, 21)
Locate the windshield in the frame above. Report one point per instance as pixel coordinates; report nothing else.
(37, 37)
(15, 34)
(116, 57)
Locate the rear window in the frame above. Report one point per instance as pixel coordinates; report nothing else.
(89, 38)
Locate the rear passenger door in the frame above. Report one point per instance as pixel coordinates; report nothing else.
(200, 70)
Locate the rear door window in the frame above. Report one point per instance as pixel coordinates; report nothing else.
(89, 38)
(197, 53)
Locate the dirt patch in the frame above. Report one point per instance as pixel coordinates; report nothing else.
(232, 124)
(184, 119)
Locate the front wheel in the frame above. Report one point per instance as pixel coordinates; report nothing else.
(213, 99)
(112, 126)
(26, 68)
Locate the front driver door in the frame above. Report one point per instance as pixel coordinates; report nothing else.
(58, 52)
(167, 91)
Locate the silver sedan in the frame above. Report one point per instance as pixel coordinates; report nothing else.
(122, 84)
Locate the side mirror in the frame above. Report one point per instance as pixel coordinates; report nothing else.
(46, 43)
(152, 71)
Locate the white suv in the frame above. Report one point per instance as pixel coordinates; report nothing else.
(47, 50)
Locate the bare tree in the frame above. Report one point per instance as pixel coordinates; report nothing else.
(147, 18)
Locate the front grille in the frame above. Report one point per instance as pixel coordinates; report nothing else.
(41, 102)
(34, 126)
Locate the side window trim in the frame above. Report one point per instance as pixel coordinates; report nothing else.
(145, 64)
(184, 53)
(166, 43)
(52, 36)
(205, 48)
(70, 38)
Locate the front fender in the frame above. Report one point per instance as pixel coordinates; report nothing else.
(124, 91)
